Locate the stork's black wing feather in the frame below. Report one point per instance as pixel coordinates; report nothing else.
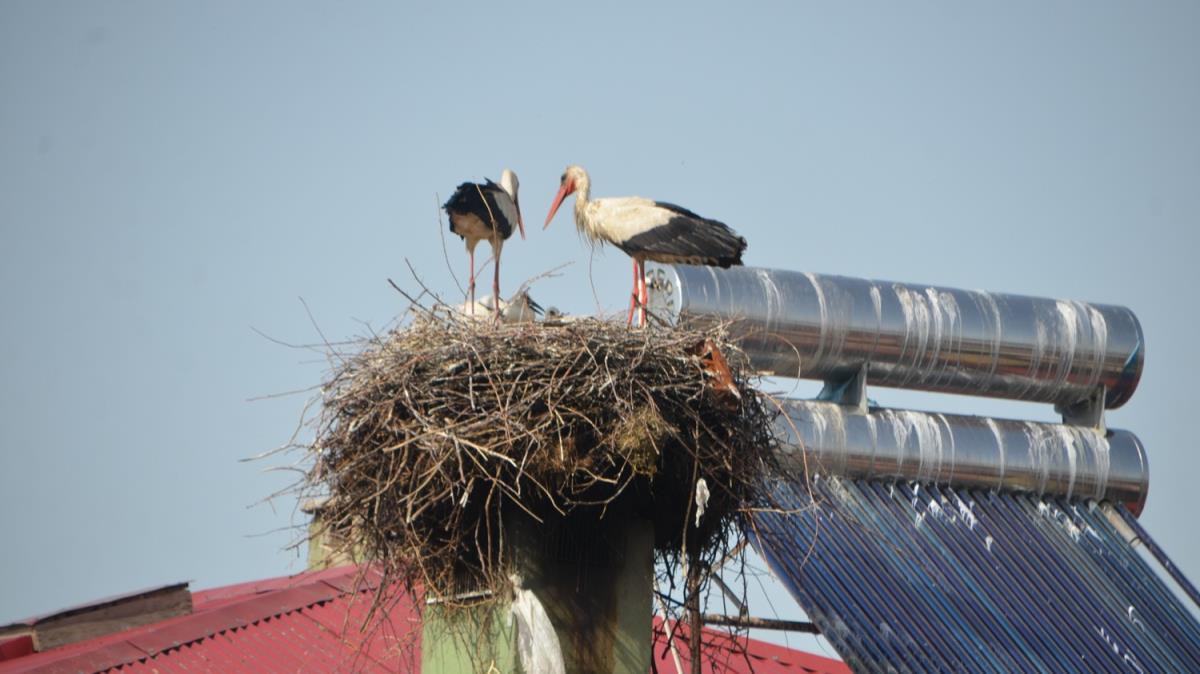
(675, 208)
(482, 202)
(464, 200)
(688, 238)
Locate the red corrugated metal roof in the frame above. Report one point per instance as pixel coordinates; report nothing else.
(16, 647)
(310, 623)
(307, 622)
(725, 653)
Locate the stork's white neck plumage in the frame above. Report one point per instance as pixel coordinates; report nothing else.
(583, 188)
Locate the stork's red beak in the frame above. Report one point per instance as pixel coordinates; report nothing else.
(567, 188)
(520, 221)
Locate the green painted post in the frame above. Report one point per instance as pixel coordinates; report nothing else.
(468, 641)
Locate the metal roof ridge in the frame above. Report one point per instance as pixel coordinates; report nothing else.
(223, 595)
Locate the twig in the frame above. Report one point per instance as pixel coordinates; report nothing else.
(445, 253)
(329, 350)
(666, 616)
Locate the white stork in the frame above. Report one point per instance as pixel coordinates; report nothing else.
(486, 212)
(647, 230)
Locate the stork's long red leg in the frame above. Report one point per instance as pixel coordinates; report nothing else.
(633, 296)
(496, 285)
(471, 283)
(645, 297)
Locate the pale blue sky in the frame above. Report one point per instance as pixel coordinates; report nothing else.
(172, 174)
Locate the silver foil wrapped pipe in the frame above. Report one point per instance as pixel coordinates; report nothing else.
(964, 451)
(815, 326)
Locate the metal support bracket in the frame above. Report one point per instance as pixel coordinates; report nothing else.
(1088, 413)
(729, 593)
(744, 622)
(848, 391)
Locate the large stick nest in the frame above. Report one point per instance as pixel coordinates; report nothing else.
(434, 434)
